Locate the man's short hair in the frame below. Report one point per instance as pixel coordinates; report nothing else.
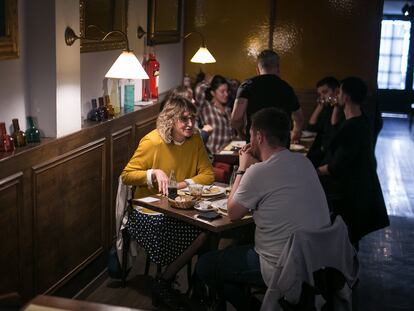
(355, 88)
(268, 59)
(330, 82)
(274, 124)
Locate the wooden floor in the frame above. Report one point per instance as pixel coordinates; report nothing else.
(386, 256)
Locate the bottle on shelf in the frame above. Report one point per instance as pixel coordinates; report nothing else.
(93, 114)
(153, 71)
(129, 97)
(172, 186)
(108, 104)
(19, 137)
(114, 97)
(6, 141)
(32, 133)
(102, 110)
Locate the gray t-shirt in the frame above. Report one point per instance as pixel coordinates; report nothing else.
(285, 195)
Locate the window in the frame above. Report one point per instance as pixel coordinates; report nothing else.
(392, 65)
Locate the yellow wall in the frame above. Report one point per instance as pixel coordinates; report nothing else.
(314, 38)
(231, 30)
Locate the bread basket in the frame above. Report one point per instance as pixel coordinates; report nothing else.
(182, 202)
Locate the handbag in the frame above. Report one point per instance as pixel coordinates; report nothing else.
(114, 266)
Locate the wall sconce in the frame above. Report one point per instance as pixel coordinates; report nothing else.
(408, 10)
(126, 65)
(202, 56)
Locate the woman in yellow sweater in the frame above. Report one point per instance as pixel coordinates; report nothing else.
(174, 145)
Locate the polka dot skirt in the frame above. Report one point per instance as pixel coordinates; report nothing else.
(164, 238)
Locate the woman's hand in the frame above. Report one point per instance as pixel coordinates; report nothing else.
(208, 129)
(162, 180)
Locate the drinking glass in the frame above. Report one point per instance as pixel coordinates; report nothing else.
(196, 190)
(233, 176)
(332, 100)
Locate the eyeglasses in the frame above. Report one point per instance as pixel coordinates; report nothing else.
(187, 119)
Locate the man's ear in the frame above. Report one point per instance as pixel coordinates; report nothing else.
(260, 137)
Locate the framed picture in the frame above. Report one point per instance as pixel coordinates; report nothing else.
(164, 21)
(98, 17)
(9, 43)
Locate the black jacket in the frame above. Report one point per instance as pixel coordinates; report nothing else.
(352, 188)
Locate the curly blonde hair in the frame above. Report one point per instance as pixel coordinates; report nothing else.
(172, 111)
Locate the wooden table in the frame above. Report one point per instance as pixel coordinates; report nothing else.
(190, 216)
(307, 143)
(51, 303)
(231, 156)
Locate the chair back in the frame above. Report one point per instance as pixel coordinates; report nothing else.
(315, 257)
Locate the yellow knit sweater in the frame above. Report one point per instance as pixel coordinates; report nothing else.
(188, 160)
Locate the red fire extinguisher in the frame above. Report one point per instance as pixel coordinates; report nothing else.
(152, 67)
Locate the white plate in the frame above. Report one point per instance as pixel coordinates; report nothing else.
(204, 206)
(238, 143)
(307, 139)
(213, 191)
(226, 152)
(307, 134)
(296, 147)
(220, 204)
(235, 144)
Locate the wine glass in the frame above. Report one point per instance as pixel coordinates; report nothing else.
(333, 100)
(320, 100)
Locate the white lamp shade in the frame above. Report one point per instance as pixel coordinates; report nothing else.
(127, 66)
(203, 56)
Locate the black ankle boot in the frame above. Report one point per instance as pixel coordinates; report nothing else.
(163, 294)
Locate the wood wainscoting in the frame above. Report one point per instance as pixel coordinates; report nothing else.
(57, 205)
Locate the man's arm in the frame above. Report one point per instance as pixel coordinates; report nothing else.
(236, 210)
(315, 114)
(237, 116)
(335, 117)
(323, 170)
(298, 118)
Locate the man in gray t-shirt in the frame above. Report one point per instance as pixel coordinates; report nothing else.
(283, 191)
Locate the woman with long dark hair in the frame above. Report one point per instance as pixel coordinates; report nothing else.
(216, 112)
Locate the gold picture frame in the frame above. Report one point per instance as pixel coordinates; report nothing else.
(164, 21)
(107, 15)
(9, 39)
